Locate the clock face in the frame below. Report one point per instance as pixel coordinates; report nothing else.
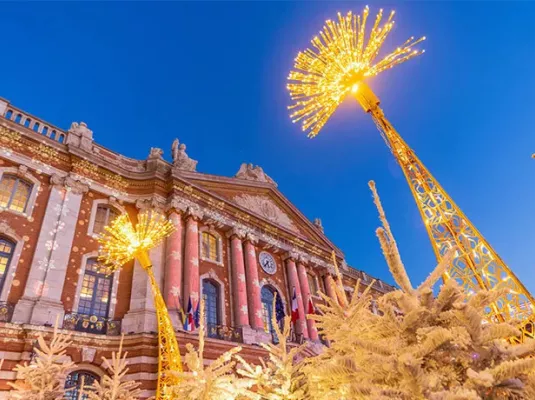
(267, 262)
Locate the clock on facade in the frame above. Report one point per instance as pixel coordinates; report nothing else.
(267, 262)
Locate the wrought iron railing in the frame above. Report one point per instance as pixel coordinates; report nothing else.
(92, 324)
(6, 311)
(228, 333)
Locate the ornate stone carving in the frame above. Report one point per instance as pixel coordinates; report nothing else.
(195, 212)
(153, 203)
(178, 204)
(7, 230)
(155, 154)
(250, 237)
(237, 232)
(80, 136)
(88, 354)
(265, 208)
(253, 173)
(303, 258)
(70, 183)
(181, 161)
(290, 255)
(318, 224)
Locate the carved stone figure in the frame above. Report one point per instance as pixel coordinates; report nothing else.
(174, 150)
(181, 160)
(318, 224)
(155, 153)
(81, 136)
(253, 173)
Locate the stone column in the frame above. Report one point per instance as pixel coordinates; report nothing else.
(253, 285)
(173, 264)
(329, 286)
(41, 302)
(241, 310)
(305, 291)
(141, 317)
(191, 258)
(293, 280)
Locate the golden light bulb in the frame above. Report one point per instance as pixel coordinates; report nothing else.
(342, 56)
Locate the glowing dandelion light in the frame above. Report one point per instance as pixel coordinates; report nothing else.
(342, 58)
(123, 242)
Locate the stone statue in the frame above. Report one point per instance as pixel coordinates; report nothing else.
(253, 173)
(79, 135)
(174, 150)
(155, 153)
(318, 224)
(181, 160)
(81, 129)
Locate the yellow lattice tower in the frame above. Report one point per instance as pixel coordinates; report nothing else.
(340, 63)
(122, 243)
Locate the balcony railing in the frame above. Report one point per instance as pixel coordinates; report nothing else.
(92, 324)
(6, 311)
(222, 332)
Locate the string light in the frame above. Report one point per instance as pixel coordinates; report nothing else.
(339, 61)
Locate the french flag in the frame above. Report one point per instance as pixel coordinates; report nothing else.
(189, 324)
(311, 308)
(295, 309)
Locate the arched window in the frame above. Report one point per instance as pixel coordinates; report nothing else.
(18, 118)
(73, 384)
(53, 135)
(210, 294)
(36, 127)
(96, 291)
(104, 216)
(45, 131)
(267, 295)
(14, 193)
(27, 122)
(210, 247)
(6, 254)
(61, 138)
(9, 114)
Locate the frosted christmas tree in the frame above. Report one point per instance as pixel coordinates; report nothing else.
(420, 346)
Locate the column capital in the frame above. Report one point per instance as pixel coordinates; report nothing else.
(236, 232)
(194, 212)
(69, 183)
(303, 259)
(250, 237)
(290, 256)
(175, 204)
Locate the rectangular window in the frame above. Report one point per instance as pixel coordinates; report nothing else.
(312, 284)
(210, 247)
(104, 216)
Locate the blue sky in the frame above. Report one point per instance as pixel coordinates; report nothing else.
(214, 75)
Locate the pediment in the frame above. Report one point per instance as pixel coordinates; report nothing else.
(263, 200)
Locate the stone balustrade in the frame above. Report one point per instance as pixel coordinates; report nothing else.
(33, 123)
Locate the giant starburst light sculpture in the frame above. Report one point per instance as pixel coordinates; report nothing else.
(123, 242)
(344, 56)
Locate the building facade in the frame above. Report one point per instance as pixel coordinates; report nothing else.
(238, 241)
